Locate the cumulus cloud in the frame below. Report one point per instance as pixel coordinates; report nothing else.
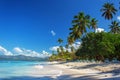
(54, 48)
(18, 50)
(53, 33)
(26, 52)
(4, 51)
(118, 17)
(99, 30)
(76, 45)
(45, 54)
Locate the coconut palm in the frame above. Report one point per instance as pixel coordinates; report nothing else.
(61, 49)
(70, 40)
(115, 27)
(66, 46)
(58, 50)
(60, 41)
(76, 33)
(72, 48)
(94, 23)
(80, 23)
(108, 10)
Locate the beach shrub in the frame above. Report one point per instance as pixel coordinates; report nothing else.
(100, 46)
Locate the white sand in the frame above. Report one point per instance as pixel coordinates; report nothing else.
(80, 71)
(102, 71)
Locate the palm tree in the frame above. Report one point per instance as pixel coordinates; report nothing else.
(72, 49)
(94, 23)
(76, 33)
(115, 27)
(80, 23)
(70, 40)
(66, 46)
(60, 41)
(60, 50)
(108, 10)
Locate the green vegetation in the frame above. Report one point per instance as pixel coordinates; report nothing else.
(100, 46)
(108, 10)
(115, 27)
(97, 46)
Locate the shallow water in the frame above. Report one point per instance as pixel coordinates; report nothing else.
(25, 70)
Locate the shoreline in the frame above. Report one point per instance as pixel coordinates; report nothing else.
(66, 71)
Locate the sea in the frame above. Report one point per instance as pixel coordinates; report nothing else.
(27, 70)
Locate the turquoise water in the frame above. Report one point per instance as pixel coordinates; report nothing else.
(24, 70)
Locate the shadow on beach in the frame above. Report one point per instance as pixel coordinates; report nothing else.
(27, 78)
(111, 74)
(63, 77)
(91, 65)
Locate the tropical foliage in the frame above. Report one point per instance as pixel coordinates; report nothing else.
(81, 23)
(97, 46)
(115, 27)
(100, 46)
(108, 10)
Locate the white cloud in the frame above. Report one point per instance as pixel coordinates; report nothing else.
(118, 17)
(26, 52)
(54, 48)
(99, 30)
(4, 51)
(53, 33)
(18, 50)
(45, 54)
(76, 45)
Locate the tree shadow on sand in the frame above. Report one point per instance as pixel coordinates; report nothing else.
(63, 77)
(115, 72)
(27, 78)
(89, 66)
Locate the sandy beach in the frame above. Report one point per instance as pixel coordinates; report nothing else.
(84, 71)
(66, 71)
(71, 71)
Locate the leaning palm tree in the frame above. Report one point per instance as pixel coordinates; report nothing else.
(94, 23)
(70, 40)
(108, 10)
(72, 49)
(80, 23)
(115, 27)
(75, 33)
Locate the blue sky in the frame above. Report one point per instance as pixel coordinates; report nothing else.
(28, 23)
